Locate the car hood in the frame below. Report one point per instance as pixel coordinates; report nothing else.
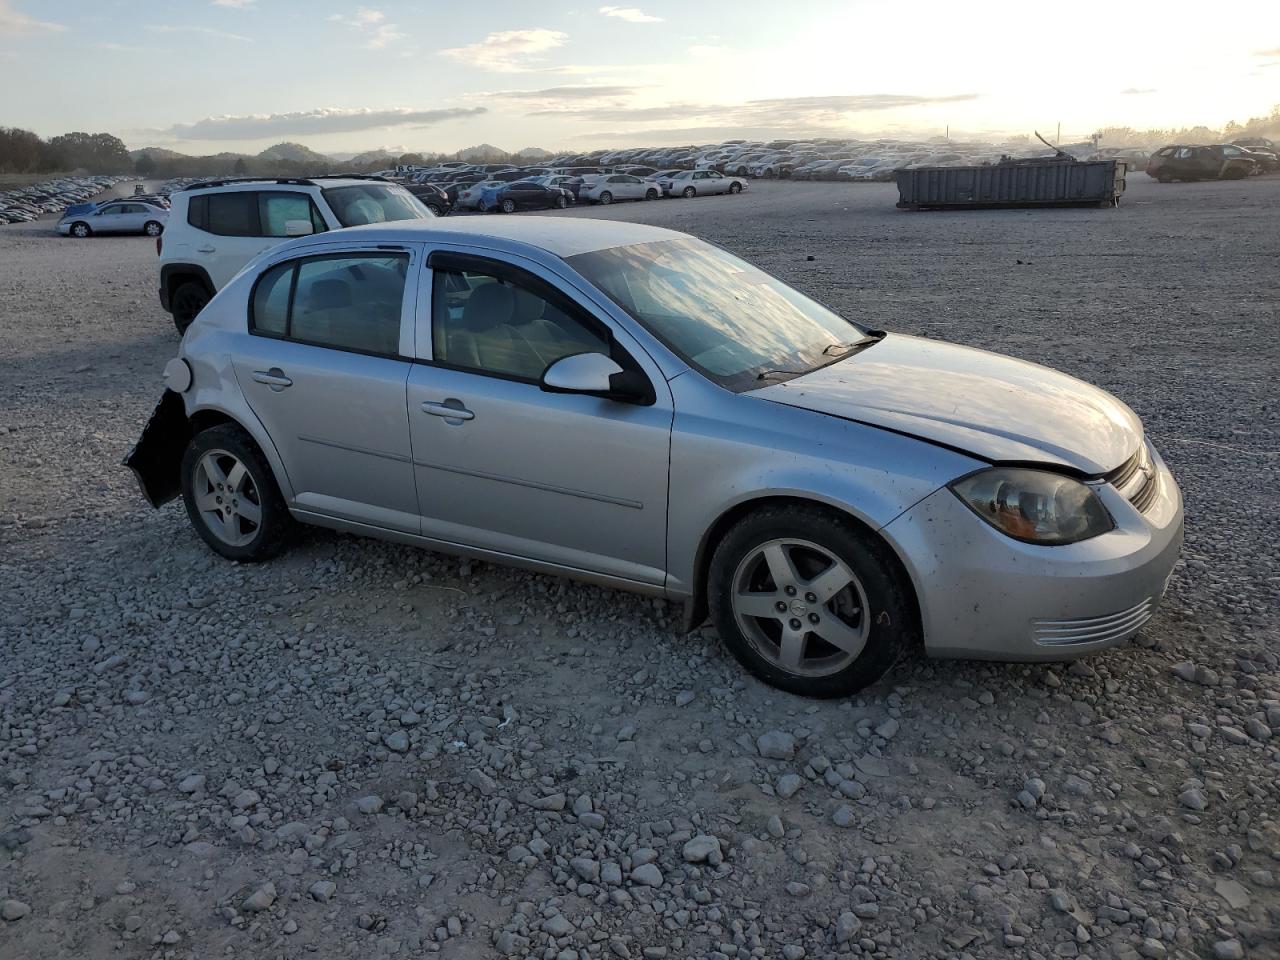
(994, 407)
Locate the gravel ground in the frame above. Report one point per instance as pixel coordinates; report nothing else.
(364, 750)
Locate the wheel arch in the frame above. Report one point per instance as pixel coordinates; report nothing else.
(174, 275)
(205, 416)
(696, 605)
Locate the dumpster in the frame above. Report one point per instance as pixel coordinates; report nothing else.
(1058, 181)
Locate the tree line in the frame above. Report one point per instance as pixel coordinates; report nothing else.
(22, 151)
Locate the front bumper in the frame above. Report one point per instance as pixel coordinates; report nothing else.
(986, 596)
(64, 229)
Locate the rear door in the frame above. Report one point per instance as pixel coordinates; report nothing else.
(109, 218)
(324, 365)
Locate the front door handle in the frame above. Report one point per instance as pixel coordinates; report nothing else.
(451, 410)
(206, 249)
(274, 378)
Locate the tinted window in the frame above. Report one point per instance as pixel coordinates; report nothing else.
(374, 203)
(275, 210)
(348, 302)
(492, 325)
(270, 313)
(233, 214)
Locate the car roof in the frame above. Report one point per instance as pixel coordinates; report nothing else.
(561, 236)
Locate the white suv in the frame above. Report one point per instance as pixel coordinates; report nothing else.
(217, 226)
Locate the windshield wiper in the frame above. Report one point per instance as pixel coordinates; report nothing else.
(766, 374)
(873, 336)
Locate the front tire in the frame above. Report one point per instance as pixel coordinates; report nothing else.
(562, 202)
(809, 601)
(187, 302)
(606, 198)
(651, 194)
(80, 230)
(231, 496)
(153, 228)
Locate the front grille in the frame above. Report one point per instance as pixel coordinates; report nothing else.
(1113, 627)
(1137, 479)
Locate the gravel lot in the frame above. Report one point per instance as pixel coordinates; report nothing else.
(367, 750)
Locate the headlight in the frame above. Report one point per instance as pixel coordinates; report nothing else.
(1034, 506)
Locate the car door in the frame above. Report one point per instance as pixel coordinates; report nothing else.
(227, 232)
(716, 183)
(323, 365)
(566, 479)
(109, 218)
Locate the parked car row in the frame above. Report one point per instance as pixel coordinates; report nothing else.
(24, 204)
(1215, 161)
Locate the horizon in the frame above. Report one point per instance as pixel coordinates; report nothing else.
(398, 77)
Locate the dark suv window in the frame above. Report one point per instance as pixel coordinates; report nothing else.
(252, 213)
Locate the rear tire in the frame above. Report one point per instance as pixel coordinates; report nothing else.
(231, 496)
(435, 209)
(153, 228)
(847, 613)
(562, 202)
(735, 188)
(508, 206)
(689, 193)
(186, 303)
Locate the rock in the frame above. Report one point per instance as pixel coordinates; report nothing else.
(776, 745)
(554, 802)
(260, 899)
(853, 789)
(13, 910)
(191, 784)
(702, 849)
(482, 781)
(1228, 950)
(588, 870)
(844, 816)
(647, 875)
(788, 784)
(847, 927)
(246, 799)
(685, 697)
(557, 926)
(888, 730)
(369, 805)
(397, 741)
(1234, 735)
(1151, 947)
(872, 766)
(775, 828)
(1193, 799)
(1257, 729)
(322, 890)
(290, 926)
(611, 874)
(1233, 892)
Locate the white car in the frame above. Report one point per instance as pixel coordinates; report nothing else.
(617, 186)
(117, 216)
(215, 227)
(692, 183)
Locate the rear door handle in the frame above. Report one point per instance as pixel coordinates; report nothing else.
(451, 410)
(274, 378)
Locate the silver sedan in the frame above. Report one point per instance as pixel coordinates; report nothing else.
(638, 408)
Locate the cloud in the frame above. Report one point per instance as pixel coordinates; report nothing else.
(620, 112)
(508, 51)
(372, 23)
(312, 122)
(11, 21)
(629, 14)
(203, 31)
(1136, 91)
(113, 47)
(571, 92)
(235, 4)
(1264, 54)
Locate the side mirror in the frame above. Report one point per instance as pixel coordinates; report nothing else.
(298, 228)
(596, 375)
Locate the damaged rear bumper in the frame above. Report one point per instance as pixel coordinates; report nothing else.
(156, 459)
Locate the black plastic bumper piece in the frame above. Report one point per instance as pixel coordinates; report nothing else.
(156, 459)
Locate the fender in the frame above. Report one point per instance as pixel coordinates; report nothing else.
(167, 283)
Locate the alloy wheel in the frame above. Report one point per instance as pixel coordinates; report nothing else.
(801, 607)
(227, 498)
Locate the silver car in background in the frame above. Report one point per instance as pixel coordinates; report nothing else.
(115, 216)
(638, 408)
(692, 183)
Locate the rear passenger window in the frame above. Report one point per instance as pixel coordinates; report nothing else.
(350, 302)
(270, 313)
(233, 214)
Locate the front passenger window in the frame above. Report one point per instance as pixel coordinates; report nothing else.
(495, 326)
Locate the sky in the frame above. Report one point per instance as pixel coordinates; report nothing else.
(205, 76)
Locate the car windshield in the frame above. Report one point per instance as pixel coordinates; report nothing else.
(728, 319)
(374, 203)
